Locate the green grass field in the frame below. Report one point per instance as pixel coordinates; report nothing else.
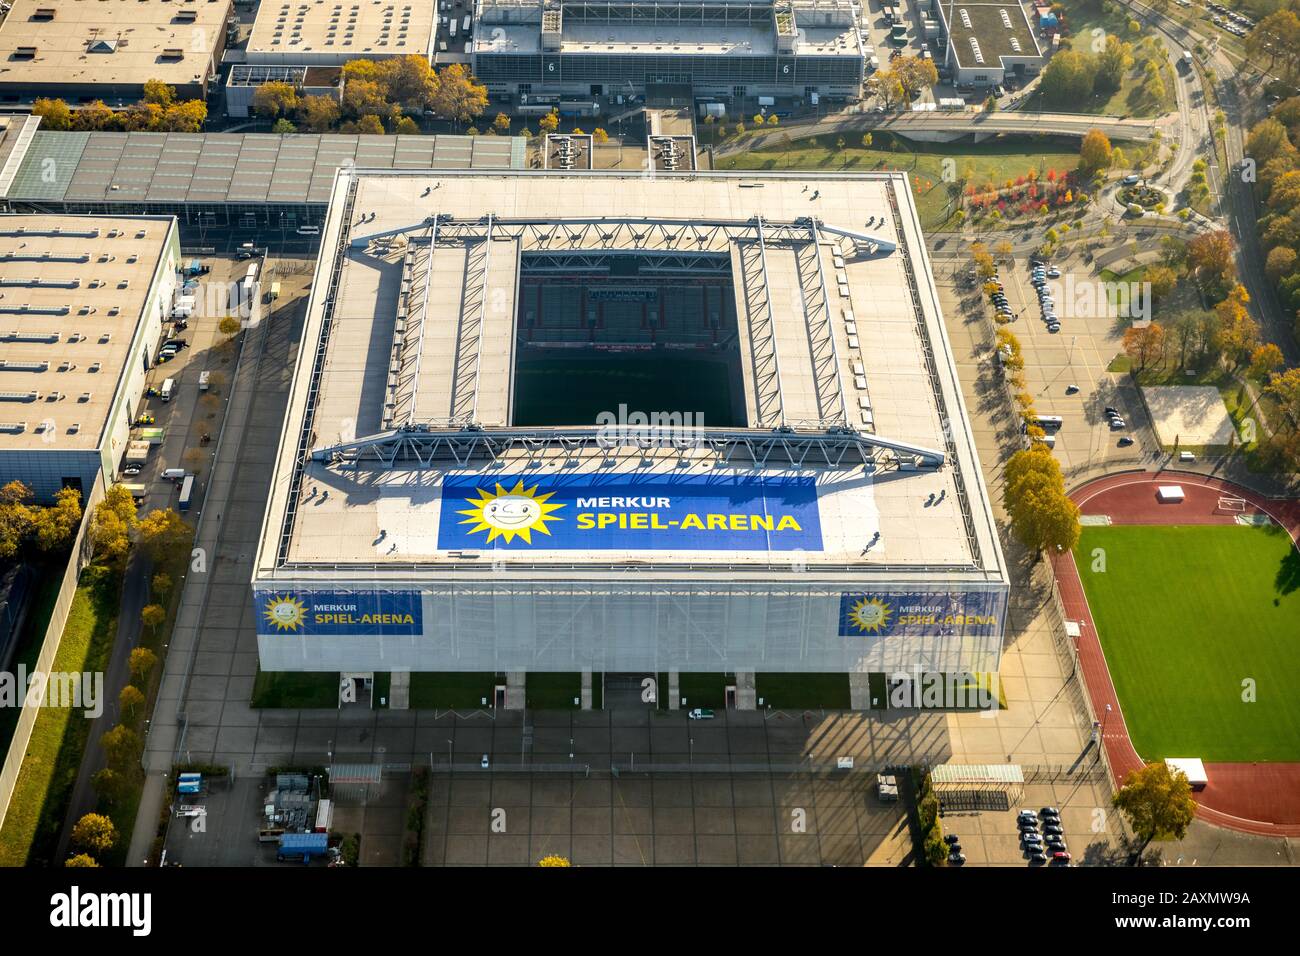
(564, 390)
(1187, 616)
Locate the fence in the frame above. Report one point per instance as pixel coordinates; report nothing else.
(82, 551)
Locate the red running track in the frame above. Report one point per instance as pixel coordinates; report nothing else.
(1258, 798)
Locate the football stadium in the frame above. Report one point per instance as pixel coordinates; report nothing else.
(622, 424)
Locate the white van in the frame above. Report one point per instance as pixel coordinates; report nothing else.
(173, 474)
(204, 380)
(168, 390)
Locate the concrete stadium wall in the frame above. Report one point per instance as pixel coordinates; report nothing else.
(621, 628)
(81, 554)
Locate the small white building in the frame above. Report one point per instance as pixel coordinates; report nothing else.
(1190, 767)
(988, 43)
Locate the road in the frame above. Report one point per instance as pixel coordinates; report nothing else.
(1065, 124)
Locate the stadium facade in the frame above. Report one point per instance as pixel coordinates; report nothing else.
(568, 422)
(538, 49)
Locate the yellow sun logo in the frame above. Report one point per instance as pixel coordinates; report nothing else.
(285, 613)
(870, 615)
(507, 514)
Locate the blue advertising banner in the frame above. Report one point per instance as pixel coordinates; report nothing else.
(338, 612)
(594, 512)
(922, 614)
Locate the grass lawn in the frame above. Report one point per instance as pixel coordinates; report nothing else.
(294, 690)
(996, 160)
(1185, 616)
(431, 691)
(785, 691)
(565, 391)
(1130, 99)
(35, 816)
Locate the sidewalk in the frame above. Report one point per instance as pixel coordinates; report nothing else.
(168, 718)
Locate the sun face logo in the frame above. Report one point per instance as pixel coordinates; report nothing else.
(285, 612)
(510, 514)
(870, 615)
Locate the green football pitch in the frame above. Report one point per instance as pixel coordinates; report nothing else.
(574, 391)
(1195, 621)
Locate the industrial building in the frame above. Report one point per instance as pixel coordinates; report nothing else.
(254, 181)
(989, 43)
(84, 50)
(331, 32)
(545, 51)
(82, 301)
(626, 424)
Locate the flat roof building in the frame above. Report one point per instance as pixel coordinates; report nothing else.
(82, 300)
(470, 477)
(331, 32)
(742, 48)
(83, 50)
(988, 43)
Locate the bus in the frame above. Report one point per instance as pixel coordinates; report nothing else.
(1049, 422)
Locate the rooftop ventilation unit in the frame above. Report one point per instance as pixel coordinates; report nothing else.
(14, 427)
(1015, 44)
(18, 396)
(7, 365)
(1006, 19)
(965, 18)
(26, 309)
(20, 336)
(975, 48)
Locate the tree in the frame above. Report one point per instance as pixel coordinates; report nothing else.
(161, 584)
(554, 861)
(366, 98)
(54, 113)
(130, 699)
(121, 748)
(550, 122)
(371, 125)
(598, 135)
(94, 832)
(985, 267)
(319, 113)
(1157, 802)
(409, 81)
(80, 860)
(867, 140)
(152, 615)
(142, 661)
(165, 535)
(1094, 152)
(1112, 63)
(56, 526)
(1162, 280)
(1042, 516)
(160, 92)
(1210, 257)
(283, 126)
(229, 326)
(1278, 37)
(886, 85)
(773, 120)
(1144, 344)
(501, 123)
(17, 518)
(1265, 359)
(185, 117)
(1239, 332)
(1068, 78)
(112, 523)
(914, 75)
(759, 119)
(93, 116)
(109, 786)
(1281, 262)
(406, 127)
(275, 99)
(458, 95)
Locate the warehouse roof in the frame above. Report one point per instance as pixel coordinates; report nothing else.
(347, 29)
(72, 293)
(983, 34)
(110, 42)
(232, 167)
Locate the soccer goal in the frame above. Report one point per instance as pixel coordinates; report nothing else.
(1234, 505)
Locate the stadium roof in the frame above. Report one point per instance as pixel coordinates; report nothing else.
(405, 381)
(982, 34)
(73, 290)
(231, 167)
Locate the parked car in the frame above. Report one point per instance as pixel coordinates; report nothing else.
(1108, 411)
(1037, 856)
(132, 469)
(1117, 424)
(1126, 441)
(1062, 857)
(1053, 273)
(1027, 815)
(951, 838)
(956, 859)
(1051, 812)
